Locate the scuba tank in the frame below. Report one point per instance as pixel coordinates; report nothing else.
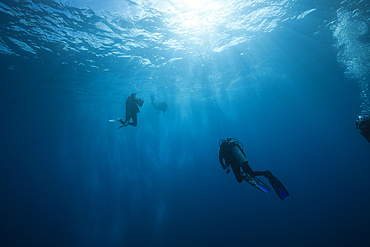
(236, 148)
(238, 154)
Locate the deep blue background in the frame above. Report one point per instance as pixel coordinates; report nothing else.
(68, 177)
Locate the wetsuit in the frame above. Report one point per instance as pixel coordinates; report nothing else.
(226, 154)
(233, 154)
(132, 109)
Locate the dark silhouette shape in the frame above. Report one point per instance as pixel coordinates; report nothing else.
(231, 150)
(363, 124)
(160, 107)
(132, 109)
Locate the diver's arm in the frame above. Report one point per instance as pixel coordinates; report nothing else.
(140, 102)
(221, 159)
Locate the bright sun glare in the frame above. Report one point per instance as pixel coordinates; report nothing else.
(199, 12)
(194, 3)
(197, 4)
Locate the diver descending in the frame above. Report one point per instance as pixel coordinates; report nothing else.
(132, 110)
(231, 150)
(160, 107)
(363, 124)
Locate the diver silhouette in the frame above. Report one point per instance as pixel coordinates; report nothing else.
(132, 110)
(363, 124)
(162, 106)
(231, 150)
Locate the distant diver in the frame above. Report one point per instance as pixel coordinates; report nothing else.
(132, 110)
(160, 107)
(363, 124)
(231, 150)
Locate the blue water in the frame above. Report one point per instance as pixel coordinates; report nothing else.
(287, 78)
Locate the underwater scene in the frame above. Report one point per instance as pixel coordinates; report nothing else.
(185, 123)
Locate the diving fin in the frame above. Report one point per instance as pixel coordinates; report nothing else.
(255, 182)
(117, 120)
(279, 188)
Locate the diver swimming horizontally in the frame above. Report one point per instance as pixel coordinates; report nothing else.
(363, 124)
(161, 106)
(132, 110)
(231, 151)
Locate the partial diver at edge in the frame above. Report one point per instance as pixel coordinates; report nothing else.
(363, 124)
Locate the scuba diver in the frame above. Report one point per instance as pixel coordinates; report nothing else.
(132, 110)
(161, 106)
(363, 124)
(231, 150)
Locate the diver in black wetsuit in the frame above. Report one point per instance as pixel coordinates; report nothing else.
(232, 152)
(132, 110)
(363, 124)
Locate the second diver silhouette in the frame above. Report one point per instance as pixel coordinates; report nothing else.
(162, 106)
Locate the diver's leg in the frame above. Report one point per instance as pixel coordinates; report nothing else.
(237, 173)
(134, 120)
(124, 123)
(258, 173)
(267, 174)
(247, 169)
(121, 121)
